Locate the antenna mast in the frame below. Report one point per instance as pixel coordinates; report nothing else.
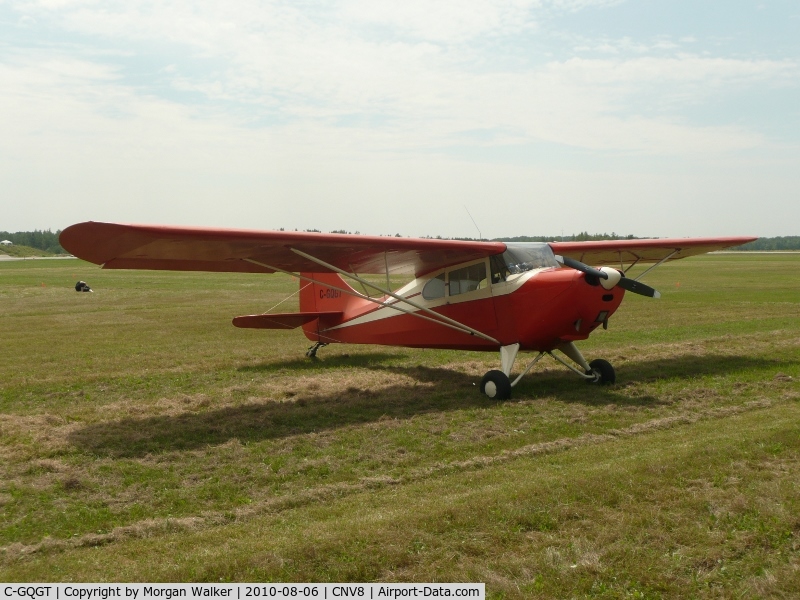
(480, 235)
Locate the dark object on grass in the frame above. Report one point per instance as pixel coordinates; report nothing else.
(82, 286)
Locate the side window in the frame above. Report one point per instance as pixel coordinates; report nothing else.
(434, 288)
(499, 269)
(468, 279)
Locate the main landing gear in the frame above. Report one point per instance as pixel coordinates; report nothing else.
(497, 384)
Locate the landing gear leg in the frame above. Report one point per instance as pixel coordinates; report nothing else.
(598, 371)
(312, 351)
(571, 350)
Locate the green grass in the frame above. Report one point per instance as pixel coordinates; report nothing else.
(142, 437)
(18, 251)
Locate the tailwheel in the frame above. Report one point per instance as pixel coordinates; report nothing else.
(603, 372)
(312, 351)
(495, 384)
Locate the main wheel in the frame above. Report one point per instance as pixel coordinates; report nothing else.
(603, 370)
(496, 385)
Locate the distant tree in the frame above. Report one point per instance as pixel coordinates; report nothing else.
(791, 242)
(583, 236)
(41, 240)
(763, 244)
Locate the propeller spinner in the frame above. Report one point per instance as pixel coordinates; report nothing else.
(608, 277)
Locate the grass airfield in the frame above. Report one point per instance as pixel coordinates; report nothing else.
(144, 438)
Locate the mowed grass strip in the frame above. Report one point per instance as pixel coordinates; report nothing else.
(189, 456)
(695, 511)
(138, 409)
(276, 503)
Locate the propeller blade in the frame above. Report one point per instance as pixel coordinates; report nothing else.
(636, 287)
(625, 283)
(579, 266)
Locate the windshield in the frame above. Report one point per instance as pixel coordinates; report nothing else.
(526, 256)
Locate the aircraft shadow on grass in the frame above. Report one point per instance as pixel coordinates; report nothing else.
(306, 412)
(338, 361)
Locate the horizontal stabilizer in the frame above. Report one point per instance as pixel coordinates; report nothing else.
(280, 320)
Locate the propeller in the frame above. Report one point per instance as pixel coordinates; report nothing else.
(608, 277)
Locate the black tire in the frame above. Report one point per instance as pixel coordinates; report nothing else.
(496, 385)
(604, 371)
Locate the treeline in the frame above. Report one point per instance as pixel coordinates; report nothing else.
(789, 242)
(41, 240)
(575, 237)
(583, 236)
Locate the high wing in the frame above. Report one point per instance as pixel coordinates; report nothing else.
(116, 246)
(629, 252)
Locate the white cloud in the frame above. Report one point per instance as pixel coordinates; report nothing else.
(283, 61)
(576, 5)
(449, 21)
(348, 100)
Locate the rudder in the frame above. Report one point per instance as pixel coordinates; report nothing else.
(325, 293)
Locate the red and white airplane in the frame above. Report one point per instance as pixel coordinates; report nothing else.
(466, 295)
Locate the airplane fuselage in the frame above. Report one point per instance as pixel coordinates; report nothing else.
(539, 309)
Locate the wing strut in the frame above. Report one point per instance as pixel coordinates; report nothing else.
(456, 325)
(630, 266)
(438, 316)
(658, 264)
(386, 262)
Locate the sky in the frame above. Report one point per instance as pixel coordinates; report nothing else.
(664, 118)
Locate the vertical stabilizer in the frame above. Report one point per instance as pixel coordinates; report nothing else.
(325, 294)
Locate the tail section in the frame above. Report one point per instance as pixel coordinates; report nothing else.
(328, 293)
(325, 294)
